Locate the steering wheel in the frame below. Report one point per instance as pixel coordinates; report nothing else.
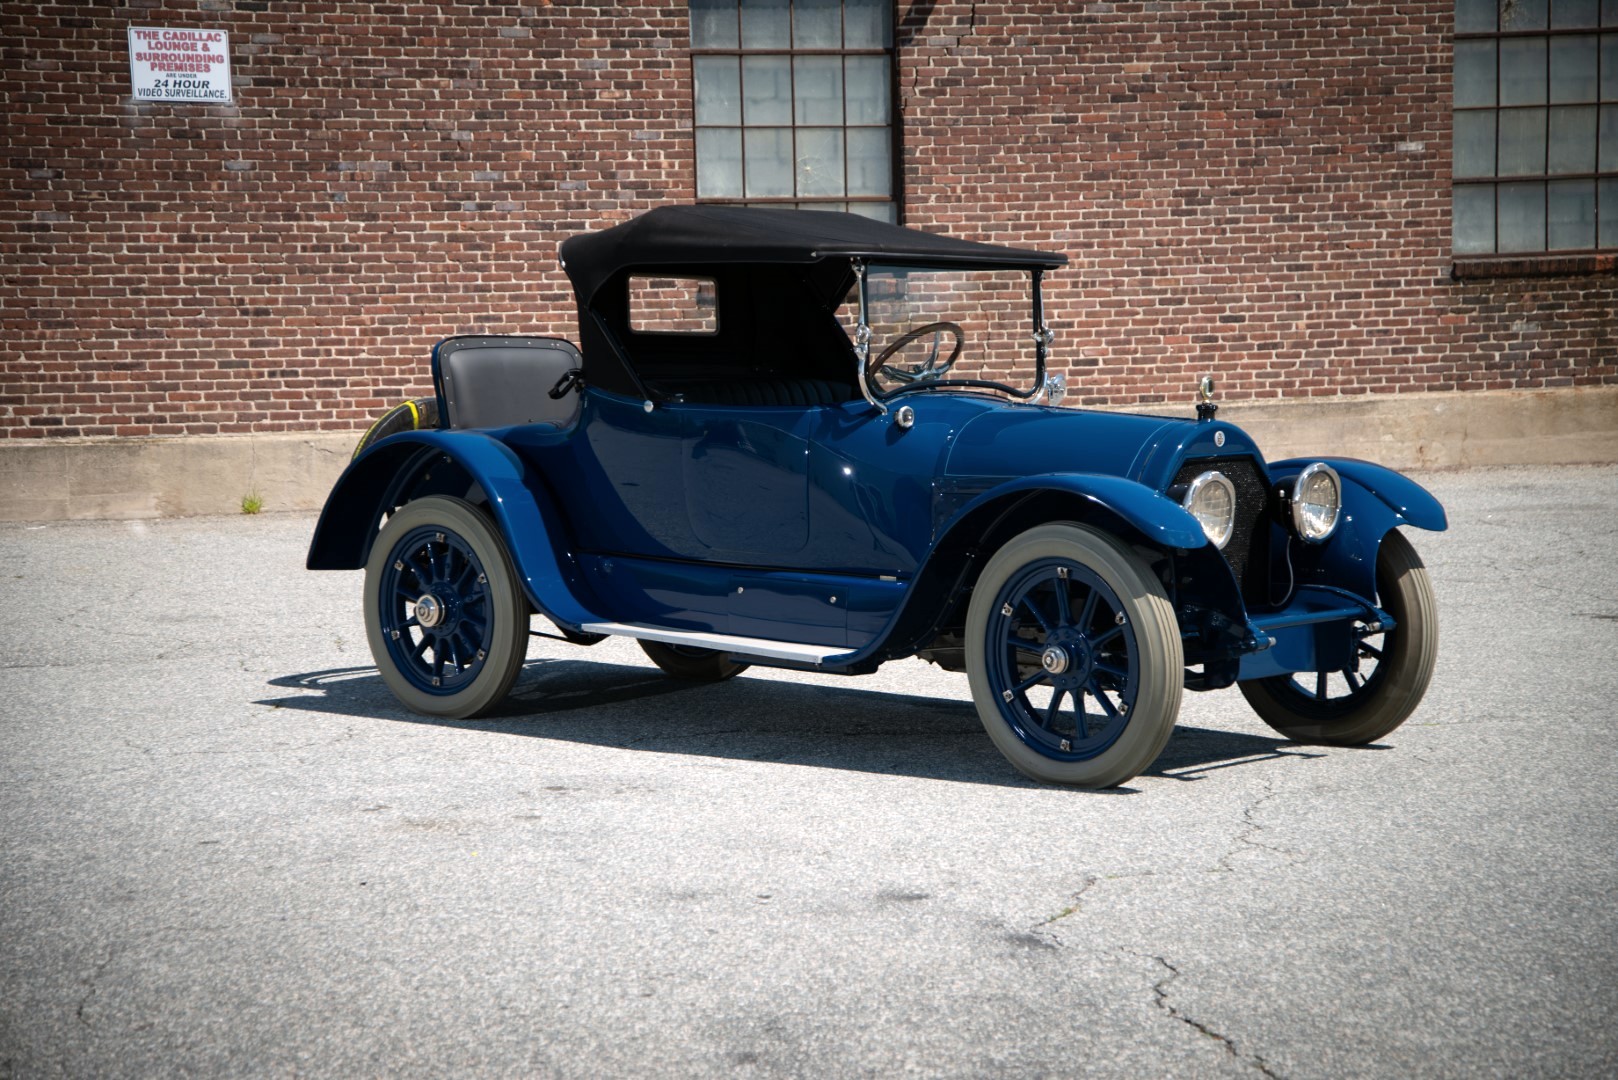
(931, 369)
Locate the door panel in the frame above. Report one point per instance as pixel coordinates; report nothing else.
(746, 481)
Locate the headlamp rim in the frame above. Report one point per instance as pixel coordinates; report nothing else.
(1219, 479)
(1296, 502)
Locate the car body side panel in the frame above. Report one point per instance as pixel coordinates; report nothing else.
(1026, 440)
(808, 608)
(618, 477)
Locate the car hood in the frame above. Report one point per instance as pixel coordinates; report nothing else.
(1024, 441)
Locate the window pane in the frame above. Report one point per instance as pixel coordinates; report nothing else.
(1609, 67)
(718, 90)
(868, 161)
(867, 24)
(820, 161)
(766, 90)
(1475, 15)
(1474, 219)
(1474, 73)
(881, 211)
(719, 163)
(764, 24)
(713, 24)
(817, 24)
(1522, 142)
(1522, 217)
(1522, 14)
(1573, 68)
(1474, 143)
(1608, 136)
(818, 83)
(1571, 215)
(1573, 140)
(1609, 214)
(868, 89)
(1567, 14)
(769, 162)
(1609, 12)
(1522, 72)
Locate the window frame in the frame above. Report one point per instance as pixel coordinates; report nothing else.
(791, 52)
(1495, 181)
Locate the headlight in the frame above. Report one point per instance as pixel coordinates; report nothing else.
(1317, 502)
(1211, 498)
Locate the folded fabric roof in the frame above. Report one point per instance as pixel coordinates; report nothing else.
(690, 236)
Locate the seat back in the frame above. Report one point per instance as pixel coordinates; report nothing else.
(491, 382)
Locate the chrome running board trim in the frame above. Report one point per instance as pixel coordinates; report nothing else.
(726, 643)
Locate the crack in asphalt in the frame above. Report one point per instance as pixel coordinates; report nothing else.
(1251, 827)
(89, 981)
(1038, 929)
(1160, 994)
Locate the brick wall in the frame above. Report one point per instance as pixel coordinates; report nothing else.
(1255, 189)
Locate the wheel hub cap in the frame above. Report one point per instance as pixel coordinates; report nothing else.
(1054, 660)
(429, 611)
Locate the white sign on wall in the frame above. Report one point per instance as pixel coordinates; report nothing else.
(173, 64)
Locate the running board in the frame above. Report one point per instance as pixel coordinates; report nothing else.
(725, 643)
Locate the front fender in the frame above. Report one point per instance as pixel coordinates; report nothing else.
(963, 542)
(1410, 502)
(518, 500)
(1376, 500)
(1156, 519)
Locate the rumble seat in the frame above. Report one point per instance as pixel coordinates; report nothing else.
(494, 382)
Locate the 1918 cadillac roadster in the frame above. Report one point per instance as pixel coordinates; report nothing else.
(811, 440)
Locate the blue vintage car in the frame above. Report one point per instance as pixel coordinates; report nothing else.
(811, 440)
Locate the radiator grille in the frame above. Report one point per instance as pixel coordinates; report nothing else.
(1248, 550)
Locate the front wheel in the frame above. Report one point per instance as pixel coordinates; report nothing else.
(445, 617)
(1384, 682)
(1074, 657)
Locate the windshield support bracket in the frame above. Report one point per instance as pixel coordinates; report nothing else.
(862, 341)
(1043, 334)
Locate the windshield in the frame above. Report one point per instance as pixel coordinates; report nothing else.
(933, 328)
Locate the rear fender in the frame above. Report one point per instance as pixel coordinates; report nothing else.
(517, 499)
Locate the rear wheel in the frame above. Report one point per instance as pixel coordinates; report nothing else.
(690, 662)
(1385, 681)
(1074, 657)
(444, 615)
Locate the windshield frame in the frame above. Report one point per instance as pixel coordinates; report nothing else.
(1042, 337)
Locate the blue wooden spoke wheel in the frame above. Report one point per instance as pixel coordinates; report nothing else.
(446, 621)
(1074, 657)
(1383, 683)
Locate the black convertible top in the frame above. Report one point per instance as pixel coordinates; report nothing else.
(692, 236)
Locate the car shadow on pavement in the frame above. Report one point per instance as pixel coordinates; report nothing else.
(747, 719)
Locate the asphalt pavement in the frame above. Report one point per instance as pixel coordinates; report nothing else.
(225, 850)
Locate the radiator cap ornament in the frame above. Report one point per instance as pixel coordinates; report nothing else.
(1205, 402)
